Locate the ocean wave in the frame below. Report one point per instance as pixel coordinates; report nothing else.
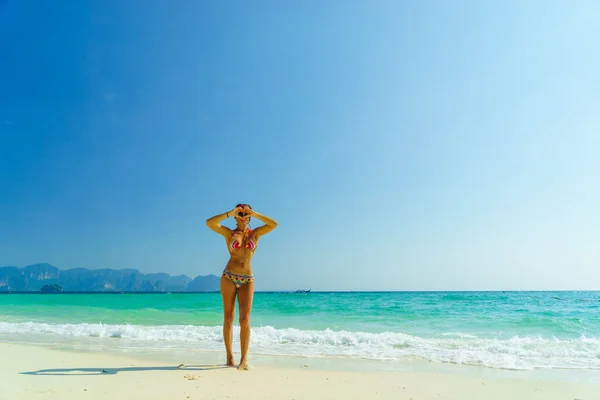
(517, 352)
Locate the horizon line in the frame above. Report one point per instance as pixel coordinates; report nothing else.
(291, 291)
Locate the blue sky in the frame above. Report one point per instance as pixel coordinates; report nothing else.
(400, 145)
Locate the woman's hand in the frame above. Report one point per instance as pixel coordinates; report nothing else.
(235, 211)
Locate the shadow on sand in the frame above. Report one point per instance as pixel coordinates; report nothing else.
(114, 371)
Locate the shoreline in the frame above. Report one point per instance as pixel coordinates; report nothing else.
(37, 371)
(329, 363)
(185, 354)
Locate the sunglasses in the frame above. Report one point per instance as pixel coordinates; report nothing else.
(241, 214)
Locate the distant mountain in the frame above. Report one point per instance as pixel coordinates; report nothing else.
(34, 277)
(204, 284)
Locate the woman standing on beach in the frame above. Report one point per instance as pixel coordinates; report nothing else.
(237, 278)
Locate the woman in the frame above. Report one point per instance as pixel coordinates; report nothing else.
(237, 277)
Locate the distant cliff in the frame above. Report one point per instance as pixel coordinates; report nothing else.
(34, 277)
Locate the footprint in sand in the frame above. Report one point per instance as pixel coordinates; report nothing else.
(192, 377)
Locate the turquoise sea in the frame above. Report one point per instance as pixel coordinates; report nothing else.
(507, 330)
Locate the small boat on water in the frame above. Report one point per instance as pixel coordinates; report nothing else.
(302, 291)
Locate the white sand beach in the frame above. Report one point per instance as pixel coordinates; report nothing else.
(35, 372)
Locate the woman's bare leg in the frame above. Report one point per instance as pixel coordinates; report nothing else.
(245, 297)
(228, 291)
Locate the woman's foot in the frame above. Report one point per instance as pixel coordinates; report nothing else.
(230, 361)
(243, 365)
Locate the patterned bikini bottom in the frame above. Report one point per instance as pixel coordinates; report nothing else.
(238, 280)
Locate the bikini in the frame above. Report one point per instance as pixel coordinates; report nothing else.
(250, 245)
(239, 280)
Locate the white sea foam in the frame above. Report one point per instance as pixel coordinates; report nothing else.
(455, 347)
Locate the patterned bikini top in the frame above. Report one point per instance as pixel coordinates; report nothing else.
(249, 245)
